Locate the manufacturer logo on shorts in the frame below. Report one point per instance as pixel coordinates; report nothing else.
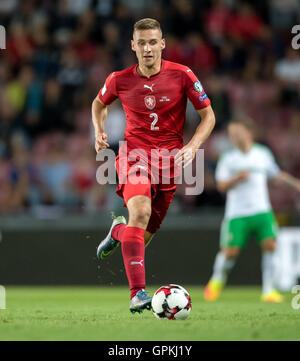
(150, 101)
(198, 86)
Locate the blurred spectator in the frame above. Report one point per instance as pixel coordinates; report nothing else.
(53, 116)
(105, 8)
(84, 48)
(219, 99)
(111, 35)
(33, 107)
(16, 91)
(183, 18)
(56, 176)
(19, 45)
(174, 50)
(45, 58)
(125, 20)
(284, 13)
(23, 176)
(139, 8)
(77, 7)
(245, 24)
(199, 55)
(62, 23)
(70, 76)
(232, 58)
(8, 6)
(287, 71)
(217, 20)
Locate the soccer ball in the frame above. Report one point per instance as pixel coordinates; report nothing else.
(171, 302)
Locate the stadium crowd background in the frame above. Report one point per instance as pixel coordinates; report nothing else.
(58, 54)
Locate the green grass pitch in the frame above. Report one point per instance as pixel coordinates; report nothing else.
(102, 313)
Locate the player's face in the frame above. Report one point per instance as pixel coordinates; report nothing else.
(239, 135)
(148, 45)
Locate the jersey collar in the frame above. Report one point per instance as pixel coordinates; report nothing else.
(249, 151)
(152, 76)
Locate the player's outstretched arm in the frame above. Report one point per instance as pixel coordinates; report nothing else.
(224, 186)
(289, 180)
(99, 114)
(187, 153)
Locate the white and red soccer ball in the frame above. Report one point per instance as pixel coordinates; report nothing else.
(171, 302)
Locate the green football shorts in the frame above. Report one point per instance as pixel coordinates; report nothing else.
(235, 232)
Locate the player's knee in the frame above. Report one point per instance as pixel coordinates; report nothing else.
(231, 252)
(141, 215)
(269, 245)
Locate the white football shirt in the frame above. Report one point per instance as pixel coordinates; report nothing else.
(252, 196)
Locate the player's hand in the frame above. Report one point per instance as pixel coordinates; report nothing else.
(101, 142)
(242, 176)
(185, 156)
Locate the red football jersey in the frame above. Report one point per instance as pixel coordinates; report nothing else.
(155, 107)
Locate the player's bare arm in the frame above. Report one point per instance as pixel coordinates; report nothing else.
(225, 186)
(187, 153)
(289, 180)
(99, 114)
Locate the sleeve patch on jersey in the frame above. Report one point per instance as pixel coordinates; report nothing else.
(198, 86)
(202, 97)
(103, 91)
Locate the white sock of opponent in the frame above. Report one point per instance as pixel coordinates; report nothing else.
(222, 267)
(268, 272)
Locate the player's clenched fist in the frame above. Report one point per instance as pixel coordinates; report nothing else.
(101, 141)
(185, 156)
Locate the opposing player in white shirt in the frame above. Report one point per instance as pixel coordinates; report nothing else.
(243, 174)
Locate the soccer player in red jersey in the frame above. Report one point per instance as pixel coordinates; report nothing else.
(154, 96)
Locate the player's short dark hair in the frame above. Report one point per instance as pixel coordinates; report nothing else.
(244, 120)
(147, 23)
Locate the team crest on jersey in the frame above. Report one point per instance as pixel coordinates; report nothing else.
(150, 101)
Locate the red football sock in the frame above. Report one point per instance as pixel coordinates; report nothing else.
(117, 232)
(133, 250)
